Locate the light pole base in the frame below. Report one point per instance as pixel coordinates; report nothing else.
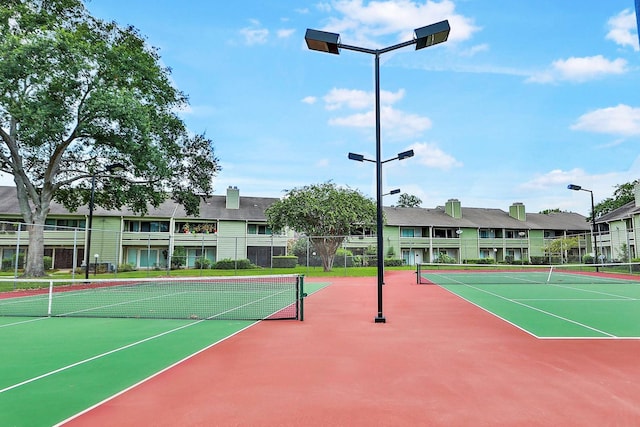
(380, 319)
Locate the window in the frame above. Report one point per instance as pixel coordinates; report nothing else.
(487, 233)
(362, 231)
(259, 229)
(147, 226)
(407, 232)
(516, 234)
(63, 224)
(446, 233)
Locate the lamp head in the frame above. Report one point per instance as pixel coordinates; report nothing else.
(322, 41)
(432, 34)
(574, 187)
(405, 155)
(356, 157)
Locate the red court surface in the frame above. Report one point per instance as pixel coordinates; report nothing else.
(438, 361)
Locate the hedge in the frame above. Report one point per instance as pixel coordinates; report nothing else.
(285, 261)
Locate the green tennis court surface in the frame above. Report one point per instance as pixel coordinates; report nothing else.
(52, 368)
(551, 304)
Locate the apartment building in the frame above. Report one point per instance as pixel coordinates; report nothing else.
(235, 227)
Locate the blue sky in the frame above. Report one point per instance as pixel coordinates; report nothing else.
(524, 98)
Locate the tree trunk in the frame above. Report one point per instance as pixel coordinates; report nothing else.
(35, 206)
(35, 254)
(327, 248)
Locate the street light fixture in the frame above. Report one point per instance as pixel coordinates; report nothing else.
(380, 256)
(330, 43)
(87, 251)
(593, 219)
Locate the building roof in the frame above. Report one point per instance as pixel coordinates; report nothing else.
(484, 218)
(623, 212)
(253, 208)
(214, 207)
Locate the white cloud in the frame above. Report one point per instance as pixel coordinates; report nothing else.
(432, 156)
(555, 178)
(580, 69)
(397, 124)
(621, 120)
(621, 29)
(364, 23)
(473, 50)
(551, 187)
(351, 98)
(285, 32)
(309, 100)
(359, 99)
(255, 34)
(322, 163)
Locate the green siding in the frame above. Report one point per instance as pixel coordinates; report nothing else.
(232, 240)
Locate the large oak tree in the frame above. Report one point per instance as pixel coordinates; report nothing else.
(78, 94)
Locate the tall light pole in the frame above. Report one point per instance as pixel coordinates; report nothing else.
(593, 219)
(330, 43)
(379, 221)
(87, 250)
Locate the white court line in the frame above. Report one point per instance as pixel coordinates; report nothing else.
(527, 306)
(81, 362)
(102, 402)
(98, 356)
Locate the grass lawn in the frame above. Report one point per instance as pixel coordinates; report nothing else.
(8, 285)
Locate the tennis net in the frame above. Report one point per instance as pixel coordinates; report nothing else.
(503, 274)
(197, 298)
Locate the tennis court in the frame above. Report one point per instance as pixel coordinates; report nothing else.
(437, 361)
(550, 302)
(67, 347)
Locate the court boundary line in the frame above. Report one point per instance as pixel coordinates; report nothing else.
(107, 353)
(144, 380)
(173, 365)
(607, 335)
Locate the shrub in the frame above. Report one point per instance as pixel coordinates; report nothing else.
(393, 262)
(539, 260)
(125, 267)
(202, 262)
(10, 263)
(343, 258)
(587, 259)
(179, 257)
(445, 259)
(48, 262)
(285, 261)
(480, 261)
(230, 264)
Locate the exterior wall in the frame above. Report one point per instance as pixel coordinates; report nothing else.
(464, 244)
(105, 241)
(232, 242)
(612, 244)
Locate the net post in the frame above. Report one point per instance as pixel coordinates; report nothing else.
(300, 297)
(50, 298)
(549, 275)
